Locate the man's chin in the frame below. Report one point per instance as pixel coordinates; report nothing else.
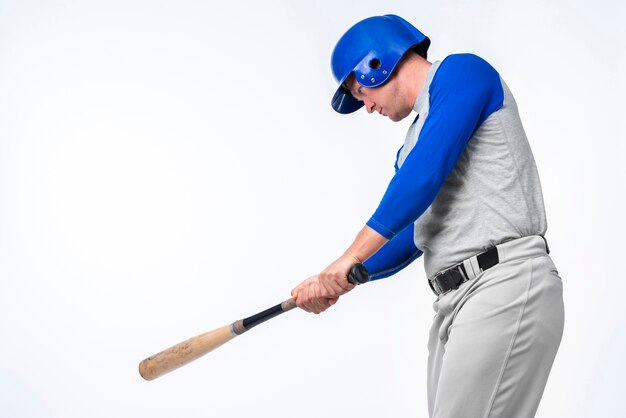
(395, 117)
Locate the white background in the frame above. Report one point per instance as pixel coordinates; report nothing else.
(167, 167)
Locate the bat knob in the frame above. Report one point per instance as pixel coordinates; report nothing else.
(358, 274)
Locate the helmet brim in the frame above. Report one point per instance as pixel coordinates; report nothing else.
(344, 102)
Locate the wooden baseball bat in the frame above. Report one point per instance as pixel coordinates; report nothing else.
(187, 351)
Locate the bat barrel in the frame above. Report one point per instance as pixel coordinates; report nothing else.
(183, 353)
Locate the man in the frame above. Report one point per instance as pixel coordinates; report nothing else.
(466, 194)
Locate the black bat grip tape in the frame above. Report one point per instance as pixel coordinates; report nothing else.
(358, 275)
(261, 317)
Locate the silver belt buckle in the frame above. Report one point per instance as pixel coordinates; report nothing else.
(450, 279)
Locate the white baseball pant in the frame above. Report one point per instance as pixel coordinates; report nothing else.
(494, 339)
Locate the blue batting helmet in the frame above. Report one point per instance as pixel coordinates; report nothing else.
(371, 49)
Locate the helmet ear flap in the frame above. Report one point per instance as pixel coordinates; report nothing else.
(374, 64)
(372, 70)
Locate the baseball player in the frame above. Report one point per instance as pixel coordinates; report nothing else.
(465, 194)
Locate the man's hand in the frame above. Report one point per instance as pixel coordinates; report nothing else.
(320, 292)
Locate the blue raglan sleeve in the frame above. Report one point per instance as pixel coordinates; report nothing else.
(463, 93)
(395, 255)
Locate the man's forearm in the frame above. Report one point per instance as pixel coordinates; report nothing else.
(366, 243)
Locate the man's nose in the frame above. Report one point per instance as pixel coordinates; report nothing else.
(369, 105)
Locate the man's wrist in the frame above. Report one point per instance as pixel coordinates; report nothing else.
(366, 243)
(355, 257)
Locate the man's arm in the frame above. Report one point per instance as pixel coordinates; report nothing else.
(463, 93)
(395, 255)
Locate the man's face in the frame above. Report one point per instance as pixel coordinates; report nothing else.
(388, 100)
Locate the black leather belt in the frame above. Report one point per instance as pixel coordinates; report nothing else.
(453, 277)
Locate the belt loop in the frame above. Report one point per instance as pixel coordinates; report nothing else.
(464, 272)
(473, 262)
(469, 269)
